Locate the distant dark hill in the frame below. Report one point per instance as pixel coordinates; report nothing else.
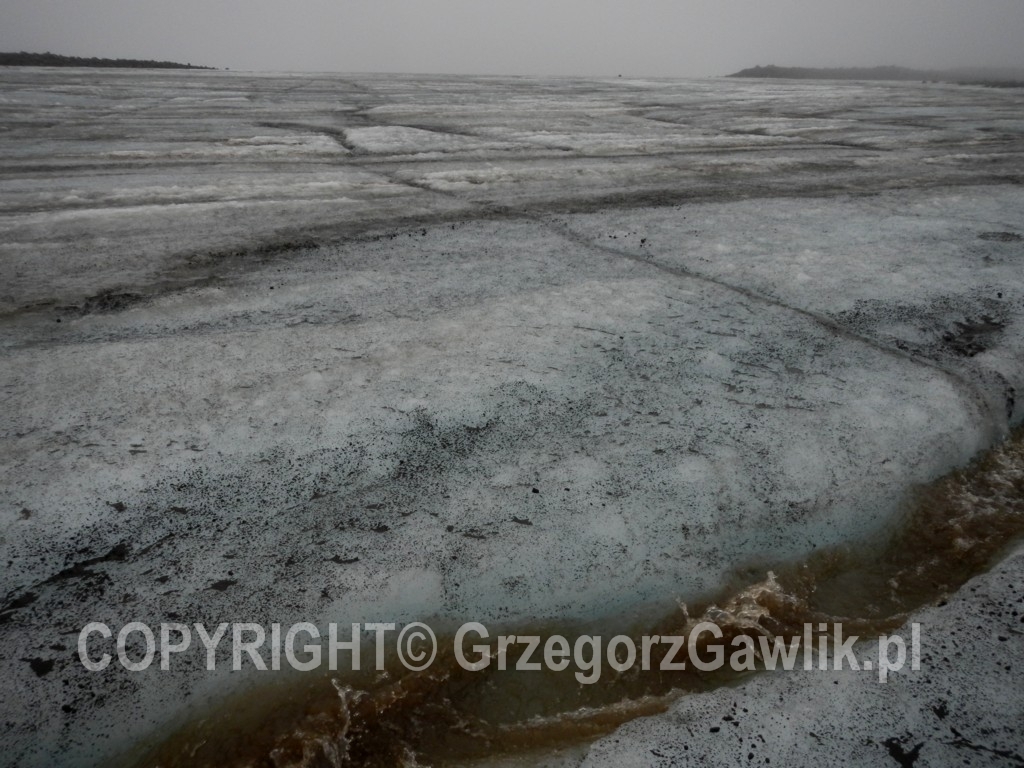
(994, 77)
(48, 59)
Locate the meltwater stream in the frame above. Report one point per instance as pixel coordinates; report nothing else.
(951, 530)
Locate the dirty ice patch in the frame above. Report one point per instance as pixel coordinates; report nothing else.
(403, 140)
(252, 148)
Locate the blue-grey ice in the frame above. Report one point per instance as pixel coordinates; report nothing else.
(323, 348)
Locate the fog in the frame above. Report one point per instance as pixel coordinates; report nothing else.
(530, 37)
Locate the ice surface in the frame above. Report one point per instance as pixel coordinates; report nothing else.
(321, 337)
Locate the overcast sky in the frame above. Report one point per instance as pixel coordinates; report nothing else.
(686, 38)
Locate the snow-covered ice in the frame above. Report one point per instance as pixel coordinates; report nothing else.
(380, 348)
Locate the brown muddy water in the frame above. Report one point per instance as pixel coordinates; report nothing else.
(950, 531)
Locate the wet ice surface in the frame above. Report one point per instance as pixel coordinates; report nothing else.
(392, 348)
(962, 707)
